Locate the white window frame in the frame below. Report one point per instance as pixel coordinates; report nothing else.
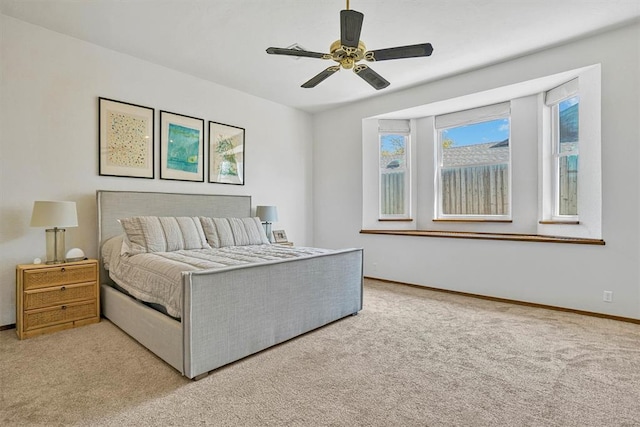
(553, 99)
(462, 118)
(402, 128)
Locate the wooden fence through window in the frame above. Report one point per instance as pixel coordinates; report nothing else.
(476, 190)
(392, 193)
(568, 197)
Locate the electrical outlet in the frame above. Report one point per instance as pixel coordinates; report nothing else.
(374, 267)
(607, 296)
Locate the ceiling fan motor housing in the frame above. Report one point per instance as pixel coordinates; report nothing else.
(347, 56)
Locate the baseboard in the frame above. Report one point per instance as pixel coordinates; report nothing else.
(5, 327)
(511, 301)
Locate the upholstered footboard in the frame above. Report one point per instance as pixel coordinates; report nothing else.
(234, 312)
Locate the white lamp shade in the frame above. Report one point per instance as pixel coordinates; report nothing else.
(54, 214)
(267, 213)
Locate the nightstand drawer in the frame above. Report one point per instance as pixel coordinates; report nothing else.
(59, 295)
(60, 314)
(47, 277)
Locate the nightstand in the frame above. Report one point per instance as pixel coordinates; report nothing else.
(53, 297)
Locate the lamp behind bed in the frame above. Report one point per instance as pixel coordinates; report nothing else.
(268, 215)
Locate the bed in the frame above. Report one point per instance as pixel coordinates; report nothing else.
(232, 312)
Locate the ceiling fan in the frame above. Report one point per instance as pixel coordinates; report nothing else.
(350, 50)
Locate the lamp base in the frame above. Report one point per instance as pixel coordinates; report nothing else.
(55, 245)
(267, 230)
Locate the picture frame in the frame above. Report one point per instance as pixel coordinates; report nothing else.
(125, 139)
(279, 236)
(181, 147)
(226, 154)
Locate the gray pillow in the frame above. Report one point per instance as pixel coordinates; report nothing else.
(221, 232)
(163, 234)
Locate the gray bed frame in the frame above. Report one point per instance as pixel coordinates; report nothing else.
(233, 312)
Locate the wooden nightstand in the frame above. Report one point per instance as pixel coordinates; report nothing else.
(54, 297)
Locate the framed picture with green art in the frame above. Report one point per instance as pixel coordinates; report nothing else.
(125, 139)
(181, 147)
(226, 154)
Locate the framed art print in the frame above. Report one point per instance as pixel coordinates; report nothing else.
(125, 139)
(226, 154)
(181, 147)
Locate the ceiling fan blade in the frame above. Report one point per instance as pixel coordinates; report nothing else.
(412, 51)
(319, 78)
(350, 27)
(296, 52)
(374, 79)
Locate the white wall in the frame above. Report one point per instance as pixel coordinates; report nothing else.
(565, 275)
(49, 88)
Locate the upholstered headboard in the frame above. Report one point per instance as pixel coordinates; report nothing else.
(113, 205)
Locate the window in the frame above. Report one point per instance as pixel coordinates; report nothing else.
(473, 164)
(394, 169)
(564, 103)
(526, 162)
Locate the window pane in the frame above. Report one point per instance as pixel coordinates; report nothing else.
(568, 185)
(569, 124)
(569, 137)
(393, 175)
(475, 169)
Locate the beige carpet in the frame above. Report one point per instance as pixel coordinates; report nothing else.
(412, 357)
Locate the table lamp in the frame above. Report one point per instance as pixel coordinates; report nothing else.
(57, 215)
(268, 215)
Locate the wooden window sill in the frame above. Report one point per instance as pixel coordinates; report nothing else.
(559, 222)
(395, 220)
(471, 220)
(488, 236)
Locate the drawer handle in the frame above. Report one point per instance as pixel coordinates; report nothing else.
(64, 307)
(63, 269)
(63, 288)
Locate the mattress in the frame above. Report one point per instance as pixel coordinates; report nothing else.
(156, 277)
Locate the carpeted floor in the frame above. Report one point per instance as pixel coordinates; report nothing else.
(412, 357)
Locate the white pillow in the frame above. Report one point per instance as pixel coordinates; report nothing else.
(221, 232)
(163, 234)
(248, 231)
(217, 231)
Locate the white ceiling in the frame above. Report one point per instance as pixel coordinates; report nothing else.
(224, 41)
